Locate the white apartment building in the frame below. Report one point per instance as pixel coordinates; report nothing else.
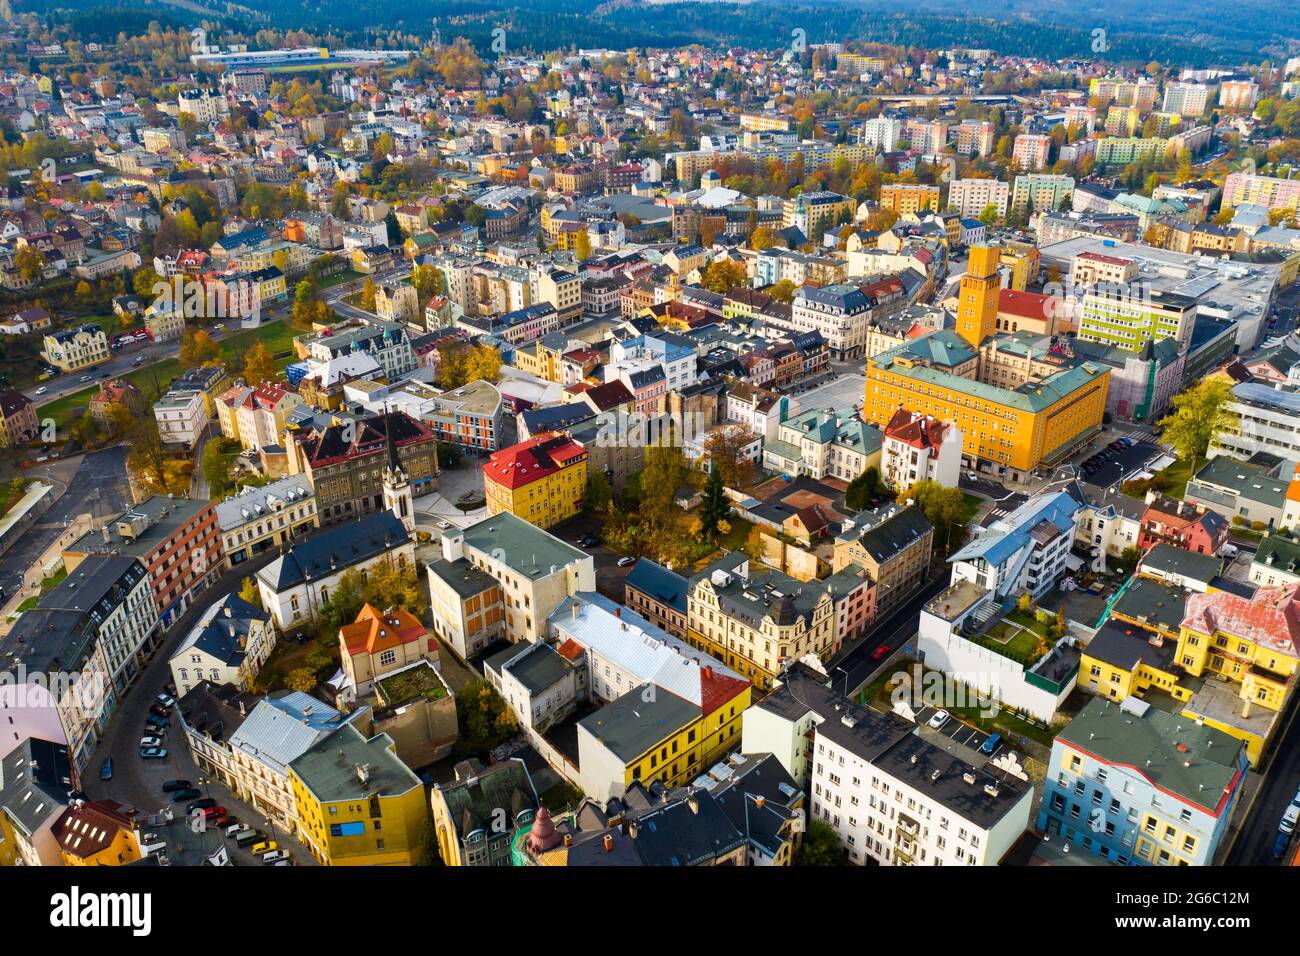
(1263, 418)
(970, 197)
(258, 519)
(1186, 99)
(1031, 151)
(181, 416)
(920, 448)
(881, 133)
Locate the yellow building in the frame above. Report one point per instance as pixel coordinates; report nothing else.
(903, 198)
(357, 804)
(96, 833)
(73, 350)
(652, 734)
(1245, 646)
(542, 480)
(1018, 407)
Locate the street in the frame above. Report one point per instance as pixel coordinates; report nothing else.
(99, 487)
(1282, 777)
(138, 782)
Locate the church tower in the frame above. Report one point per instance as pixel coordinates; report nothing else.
(397, 485)
(977, 306)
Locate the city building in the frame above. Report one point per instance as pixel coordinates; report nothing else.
(542, 480)
(1141, 787)
(260, 518)
(920, 448)
(227, 645)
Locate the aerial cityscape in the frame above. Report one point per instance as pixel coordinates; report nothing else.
(657, 434)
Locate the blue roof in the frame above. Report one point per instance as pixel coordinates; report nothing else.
(335, 550)
(656, 581)
(1006, 536)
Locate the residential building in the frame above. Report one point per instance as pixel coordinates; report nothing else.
(970, 197)
(659, 595)
(1031, 151)
(258, 519)
(542, 480)
(502, 577)
(893, 544)
(1040, 192)
(18, 421)
(920, 448)
(914, 198)
(295, 586)
(379, 643)
(479, 816)
(77, 349)
(357, 803)
(176, 539)
(227, 645)
(182, 418)
(1138, 786)
(36, 785)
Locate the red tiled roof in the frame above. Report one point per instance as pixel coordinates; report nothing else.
(532, 460)
(1270, 619)
(717, 689)
(1030, 305)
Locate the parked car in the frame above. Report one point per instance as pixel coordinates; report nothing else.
(266, 846)
(235, 828)
(1280, 845)
(167, 700)
(939, 719)
(626, 560)
(155, 725)
(991, 744)
(202, 804)
(275, 856)
(249, 836)
(180, 796)
(159, 710)
(171, 786)
(106, 769)
(153, 753)
(443, 523)
(214, 813)
(150, 741)
(284, 862)
(1289, 817)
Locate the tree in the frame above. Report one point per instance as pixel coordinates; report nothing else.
(216, 469)
(989, 214)
(301, 679)
(30, 263)
(198, 348)
(598, 493)
(945, 509)
(368, 294)
(582, 246)
(1198, 414)
(1025, 603)
(716, 507)
(783, 291)
(762, 238)
(119, 419)
(259, 365)
(250, 592)
(723, 275)
(862, 489)
(821, 846)
(147, 455)
(483, 717)
(482, 363)
(725, 448)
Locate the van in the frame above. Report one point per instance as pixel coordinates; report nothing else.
(991, 744)
(1289, 817)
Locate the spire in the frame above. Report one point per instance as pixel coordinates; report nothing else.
(394, 461)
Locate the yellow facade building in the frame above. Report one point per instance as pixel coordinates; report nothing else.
(904, 198)
(542, 480)
(357, 804)
(1018, 406)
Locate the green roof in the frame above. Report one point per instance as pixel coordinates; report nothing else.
(329, 769)
(525, 548)
(1190, 760)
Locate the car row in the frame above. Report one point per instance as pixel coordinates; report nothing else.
(1107, 455)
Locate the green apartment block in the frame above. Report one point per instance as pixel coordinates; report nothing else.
(1122, 150)
(1127, 317)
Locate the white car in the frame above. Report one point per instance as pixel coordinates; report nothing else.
(626, 560)
(939, 719)
(42, 390)
(150, 742)
(166, 700)
(275, 856)
(1289, 818)
(444, 524)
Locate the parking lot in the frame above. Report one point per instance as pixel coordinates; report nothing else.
(1123, 463)
(960, 733)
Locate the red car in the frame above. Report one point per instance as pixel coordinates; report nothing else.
(880, 652)
(211, 812)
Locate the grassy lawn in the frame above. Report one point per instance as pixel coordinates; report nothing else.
(1178, 475)
(277, 336)
(347, 275)
(1015, 642)
(561, 796)
(973, 503)
(1028, 621)
(10, 493)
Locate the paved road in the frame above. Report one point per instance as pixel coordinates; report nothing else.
(853, 666)
(1281, 778)
(138, 782)
(98, 487)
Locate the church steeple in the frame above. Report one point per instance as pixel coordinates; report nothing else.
(397, 486)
